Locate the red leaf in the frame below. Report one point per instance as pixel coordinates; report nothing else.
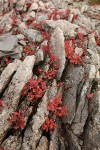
(2, 105)
(90, 95)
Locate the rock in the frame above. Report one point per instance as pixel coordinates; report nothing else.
(20, 5)
(72, 77)
(33, 133)
(91, 40)
(41, 17)
(20, 36)
(39, 56)
(92, 130)
(22, 27)
(41, 4)
(33, 7)
(92, 72)
(22, 42)
(13, 93)
(73, 143)
(54, 142)
(79, 51)
(95, 58)
(43, 144)
(37, 121)
(8, 43)
(81, 114)
(70, 17)
(7, 74)
(84, 8)
(33, 35)
(67, 27)
(57, 47)
(12, 143)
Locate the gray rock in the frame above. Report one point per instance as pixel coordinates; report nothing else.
(79, 51)
(20, 5)
(13, 92)
(33, 7)
(12, 143)
(39, 56)
(57, 42)
(33, 133)
(73, 142)
(92, 42)
(33, 35)
(67, 27)
(7, 74)
(92, 130)
(43, 144)
(73, 76)
(37, 122)
(81, 112)
(8, 43)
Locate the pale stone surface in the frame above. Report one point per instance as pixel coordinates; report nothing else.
(73, 76)
(8, 73)
(13, 92)
(33, 35)
(67, 27)
(8, 43)
(57, 43)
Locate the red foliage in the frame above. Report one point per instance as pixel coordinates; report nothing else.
(29, 51)
(70, 53)
(46, 36)
(30, 20)
(2, 148)
(49, 125)
(55, 13)
(76, 59)
(90, 95)
(80, 35)
(14, 20)
(54, 62)
(46, 49)
(38, 25)
(98, 40)
(74, 17)
(34, 88)
(2, 105)
(1, 30)
(55, 105)
(7, 60)
(50, 74)
(17, 119)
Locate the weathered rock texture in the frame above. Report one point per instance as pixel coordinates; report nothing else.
(33, 34)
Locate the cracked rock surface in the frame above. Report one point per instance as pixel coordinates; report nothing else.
(49, 75)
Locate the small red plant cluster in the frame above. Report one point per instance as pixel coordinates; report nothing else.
(17, 119)
(98, 40)
(49, 125)
(34, 89)
(56, 109)
(70, 53)
(2, 105)
(2, 148)
(38, 25)
(54, 66)
(63, 15)
(7, 60)
(14, 20)
(29, 51)
(90, 95)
